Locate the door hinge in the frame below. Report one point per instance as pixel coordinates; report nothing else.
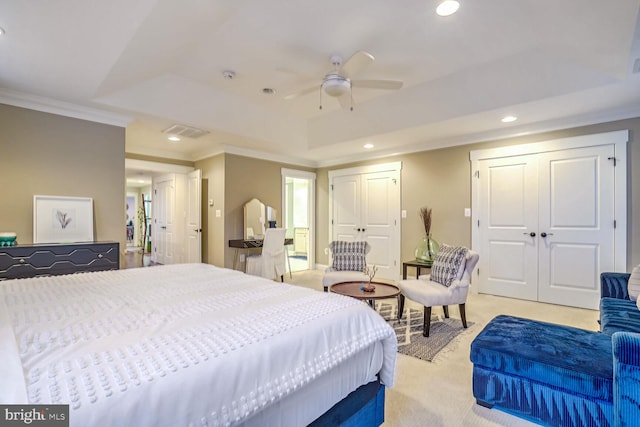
(478, 223)
(155, 191)
(331, 222)
(615, 223)
(395, 222)
(331, 186)
(395, 181)
(477, 174)
(614, 160)
(478, 272)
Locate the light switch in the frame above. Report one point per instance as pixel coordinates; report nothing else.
(210, 202)
(404, 213)
(467, 212)
(218, 213)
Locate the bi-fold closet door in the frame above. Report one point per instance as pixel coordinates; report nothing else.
(545, 222)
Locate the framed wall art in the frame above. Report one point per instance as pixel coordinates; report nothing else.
(59, 219)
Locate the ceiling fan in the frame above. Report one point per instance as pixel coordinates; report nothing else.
(339, 82)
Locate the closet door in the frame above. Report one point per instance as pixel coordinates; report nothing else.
(380, 199)
(576, 224)
(366, 206)
(546, 225)
(346, 192)
(509, 226)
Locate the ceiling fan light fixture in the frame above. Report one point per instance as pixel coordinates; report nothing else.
(447, 7)
(336, 86)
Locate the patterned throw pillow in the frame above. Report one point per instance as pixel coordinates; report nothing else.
(348, 256)
(633, 285)
(448, 261)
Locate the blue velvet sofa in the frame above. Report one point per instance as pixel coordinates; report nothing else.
(617, 312)
(562, 376)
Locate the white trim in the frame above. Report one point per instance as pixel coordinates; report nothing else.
(382, 167)
(618, 139)
(311, 177)
(604, 138)
(294, 173)
(61, 108)
(620, 208)
(146, 165)
(231, 149)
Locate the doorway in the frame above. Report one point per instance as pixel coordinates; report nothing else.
(298, 207)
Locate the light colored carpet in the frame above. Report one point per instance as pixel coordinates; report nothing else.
(438, 394)
(409, 331)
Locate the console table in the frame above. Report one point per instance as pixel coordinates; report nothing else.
(24, 261)
(239, 244)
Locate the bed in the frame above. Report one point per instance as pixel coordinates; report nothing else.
(187, 345)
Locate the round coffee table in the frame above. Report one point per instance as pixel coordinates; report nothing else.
(352, 289)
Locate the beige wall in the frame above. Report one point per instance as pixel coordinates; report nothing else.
(231, 181)
(213, 182)
(47, 154)
(441, 179)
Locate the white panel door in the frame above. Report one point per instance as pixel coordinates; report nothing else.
(508, 218)
(157, 227)
(576, 224)
(366, 206)
(346, 208)
(194, 216)
(380, 201)
(165, 220)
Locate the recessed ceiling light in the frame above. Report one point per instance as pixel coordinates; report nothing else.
(447, 7)
(173, 139)
(228, 74)
(509, 119)
(268, 91)
(368, 146)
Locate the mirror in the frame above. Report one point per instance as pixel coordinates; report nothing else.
(254, 219)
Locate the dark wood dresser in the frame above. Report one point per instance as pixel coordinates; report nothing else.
(53, 259)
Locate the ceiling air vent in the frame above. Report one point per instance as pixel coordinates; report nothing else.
(186, 131)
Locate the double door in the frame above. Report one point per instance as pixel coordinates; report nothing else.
(546, 224)
(366, 206)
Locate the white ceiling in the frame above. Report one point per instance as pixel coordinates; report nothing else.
(551, 63)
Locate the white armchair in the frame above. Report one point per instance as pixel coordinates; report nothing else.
(270, 263)
(348, 260)
(448, 284)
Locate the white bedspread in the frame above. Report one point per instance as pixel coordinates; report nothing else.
(187, 344)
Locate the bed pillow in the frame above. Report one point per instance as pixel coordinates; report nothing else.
(447, 263)
(348, 256)
(633, 285)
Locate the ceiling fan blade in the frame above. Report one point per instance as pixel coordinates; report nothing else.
(356, 64)
(377, 84)
(345, 101)
(303, 92)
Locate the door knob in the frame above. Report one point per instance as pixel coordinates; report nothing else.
(532, 234)
(543, 234)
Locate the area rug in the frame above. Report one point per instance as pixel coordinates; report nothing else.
(409, 331)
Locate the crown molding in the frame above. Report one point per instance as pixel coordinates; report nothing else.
(231, 149)
(62, 108)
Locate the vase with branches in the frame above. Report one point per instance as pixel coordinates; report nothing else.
(427, 250)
